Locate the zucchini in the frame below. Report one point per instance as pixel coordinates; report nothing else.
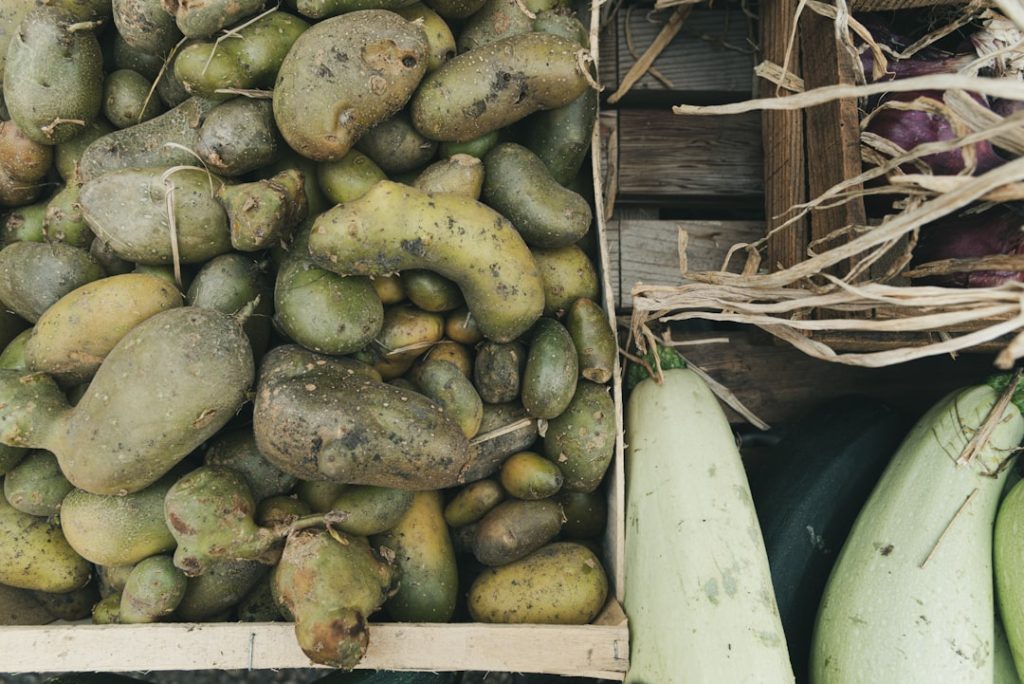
(698, 589)
(1008, 555)
(910, 598)
(816, 481)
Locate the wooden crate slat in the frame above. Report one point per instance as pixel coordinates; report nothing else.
(671, 158)
(587, 651)
(693, 64)
(648, 250)
(880, 5)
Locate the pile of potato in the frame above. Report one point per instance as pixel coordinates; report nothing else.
(300, 315)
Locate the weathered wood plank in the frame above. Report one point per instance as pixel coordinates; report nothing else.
(649, 253)
(780, 383)
(711, 54)
(689, 159)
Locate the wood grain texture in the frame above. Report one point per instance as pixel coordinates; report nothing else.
(648, 250)
(785, 165)
(696, 61)
(585, 651)
(780, 383)
(879, 5)
(678, 159)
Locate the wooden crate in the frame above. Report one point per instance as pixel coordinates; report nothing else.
(599, 650)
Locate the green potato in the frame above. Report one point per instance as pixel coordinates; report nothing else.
(10, 457)
(370, 510)
(497, 85)
(111, 263)
(321, 9)
(153, 590)
(594, 339)
(13, 356)
(477, 147)
(561, 584)
(406, 334)
(112, 578)
(498, 371)
(349, 178)
(280, 510)
(459, 174)
(496, 19)
(263, 214)
(568, 275)
(192, 367)
(107, 611)
(394, 227)
(25, 224)
(552, 365)
(455, 9)
(461, 327)
(444, 383)
(259, 604)
(24, 164)
(73, 336)
(53, 79)
(20, 606)
(11, 14)
(83, 10)
(222, 586)
(129, 210)
(519, 186)
(473, 502)
(560, 24)
(319, 495)
(126, 99)
(128, 57)
(425, 558)
(430, 291)
(34, 276)
(234, 284)
(586, 514)
(145, 26)
(249, 62)
(530, 476)
(504, 430)
(582, 439)
(454, 353)
(237, 450)
(514, 529)
(68, 155)
(115, 531)
(239, 136)
(439, 35)
(388, 288)
(345, 75)
(316, 202)
(203, 19)
(331, 583)
(395, 146)
(34, 554)
(318, 419)
(70, 606)
(36, 486)
(63, 221)
(561, 137)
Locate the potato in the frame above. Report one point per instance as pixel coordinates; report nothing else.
(118, 530)
(425, 559)
(496, 19)
(203, 19)
(237, 450)
(370, 510)
(318, 419)
(316, 202)
(24, 224)
(552, 365)
(238, 136)
(72, 605)
(53, 79)
(568, 275)
(515, 528)
(388, 288)
(232, 284)
(36, 486)
(112, 264)
(249, 62)
(582, 439)
(498, 371)
(23, 166)
(461, 327)
(167, 140)
(190, 366)
(259, 604)
(439, 35)
(33, 276)
(319, 495)
(321, 9)
(394, 227)
(561, 584)
(145, 26)
(406, 334)
(68, 154)
(586, 515)
(10, 457)
(107, 611)
(35, 555)
(128, 209)
(13, 356)
(560, 24)
(345, 75)
(454, 353)
(280, 510)
(121, 55)
(455, 9)
(444, 383)
(460, 174)
(477, 147)
(473, 502)
(349, 178)
(19, 606)
(112, 578)
(153, 590)
(11, 14)
(73, 336)
(519, 186)
(331, 583)
(491, 452)
(395, 146)
(262, 214)
(223, 585)
(63, 221)
(561, 137)
(594, 339)
(530, 476)
(126, 99)
(430, 291)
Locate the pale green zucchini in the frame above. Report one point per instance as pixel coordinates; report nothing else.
(911, 598)
(698, 590)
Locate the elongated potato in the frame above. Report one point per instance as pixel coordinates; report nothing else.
(496, 85)
(394, 227)
(73, 336)
(345, 75)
